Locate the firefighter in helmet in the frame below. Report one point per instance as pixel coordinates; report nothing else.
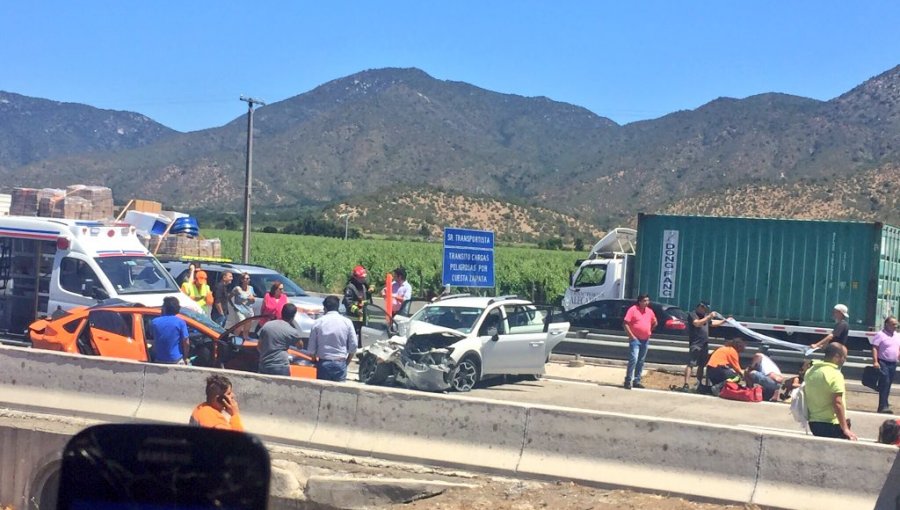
(357, 293)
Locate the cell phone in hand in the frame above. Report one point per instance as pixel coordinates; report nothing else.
(151, 467)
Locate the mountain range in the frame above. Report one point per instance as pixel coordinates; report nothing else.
(381, 131)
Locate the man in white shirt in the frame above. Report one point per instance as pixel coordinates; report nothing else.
(764, 372)
(401, 290)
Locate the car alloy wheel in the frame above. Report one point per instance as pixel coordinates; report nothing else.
(465, 375)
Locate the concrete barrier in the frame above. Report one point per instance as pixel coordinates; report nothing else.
(615, 449)
(45, 380)
(818, 473)
(30, 460)
(446, 429)
(724, 463)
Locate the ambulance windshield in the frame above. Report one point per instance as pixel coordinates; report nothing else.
(137, 275)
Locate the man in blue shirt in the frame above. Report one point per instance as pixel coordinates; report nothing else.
(171, 344)
(332, 341)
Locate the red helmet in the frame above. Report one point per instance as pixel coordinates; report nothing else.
(360, 272)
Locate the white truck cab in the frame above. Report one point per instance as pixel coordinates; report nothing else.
(47, 264)
(605, 273)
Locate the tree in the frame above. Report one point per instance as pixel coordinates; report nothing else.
(579, 244)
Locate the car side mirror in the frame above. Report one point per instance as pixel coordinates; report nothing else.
(494, 333)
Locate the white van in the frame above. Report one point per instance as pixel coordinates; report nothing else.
(47, 264)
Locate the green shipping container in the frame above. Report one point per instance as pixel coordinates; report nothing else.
(774, 271)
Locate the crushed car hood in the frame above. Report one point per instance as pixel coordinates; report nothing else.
(424, 328)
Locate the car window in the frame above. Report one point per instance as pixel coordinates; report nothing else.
(72, 325)
(77, 277)
(523, 319)
(116, 323)
(460, 318)
(263, 282)
(594, 312)
(493, 319)
(136, 275)
(591, 276)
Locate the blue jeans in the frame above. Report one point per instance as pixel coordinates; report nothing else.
(885, 379)
(329, 370)
(769, 385)
(636, 356)
(275, 370)
(219, 319)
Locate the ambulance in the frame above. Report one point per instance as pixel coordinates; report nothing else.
(49, 265)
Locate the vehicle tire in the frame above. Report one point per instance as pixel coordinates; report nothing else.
(464, 375)
(372, 372)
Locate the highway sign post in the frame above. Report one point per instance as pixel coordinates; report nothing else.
(468, 258)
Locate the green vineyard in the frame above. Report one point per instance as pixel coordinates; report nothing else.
(540, 275)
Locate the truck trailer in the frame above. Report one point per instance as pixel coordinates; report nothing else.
(782, 277)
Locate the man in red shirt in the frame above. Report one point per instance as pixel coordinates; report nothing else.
(639, 322)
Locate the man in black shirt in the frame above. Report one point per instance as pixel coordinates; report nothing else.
(841, 328)
(698, 337)
(219, 312)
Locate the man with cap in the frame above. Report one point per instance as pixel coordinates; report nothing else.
(699, 322)
(197, 288)
(841, 328)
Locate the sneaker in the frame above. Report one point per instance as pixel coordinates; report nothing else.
(686, 388)
(886, 411)
(638, 385)
(627, 385)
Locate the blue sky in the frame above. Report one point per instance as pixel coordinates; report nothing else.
(185, 63)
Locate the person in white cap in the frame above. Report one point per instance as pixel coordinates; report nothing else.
(841, 328)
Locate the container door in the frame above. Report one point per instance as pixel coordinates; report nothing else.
(113, 336)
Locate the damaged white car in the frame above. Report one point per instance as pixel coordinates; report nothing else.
(460, 340)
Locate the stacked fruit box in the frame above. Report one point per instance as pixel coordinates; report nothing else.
(24, 202)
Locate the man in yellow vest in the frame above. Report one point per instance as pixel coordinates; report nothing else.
(196, 288)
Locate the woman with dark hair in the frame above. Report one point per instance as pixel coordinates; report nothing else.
(242, 299)
(273, 302)
(889, 432)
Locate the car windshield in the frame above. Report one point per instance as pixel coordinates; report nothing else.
(202, 319)
(262, 283)
(460, 318)
(137, 275)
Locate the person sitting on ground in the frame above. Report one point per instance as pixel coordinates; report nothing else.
(889, 432)
(220, 399)
(794, 382)
(725, 362)
(764, 372)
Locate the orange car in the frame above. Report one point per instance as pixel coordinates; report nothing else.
(122, 330)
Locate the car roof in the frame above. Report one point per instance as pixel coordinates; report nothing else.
(221, 266)
(463, 301)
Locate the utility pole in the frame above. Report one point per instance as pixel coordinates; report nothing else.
(346, 217)
(248, 184)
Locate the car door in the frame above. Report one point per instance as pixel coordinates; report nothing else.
(517, 348)
(112, 334)
(376, 325)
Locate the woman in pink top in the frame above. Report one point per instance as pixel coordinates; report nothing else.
(639, 322)
(885, 351)
(273, 303)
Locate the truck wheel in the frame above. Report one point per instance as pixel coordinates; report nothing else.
(464, 375)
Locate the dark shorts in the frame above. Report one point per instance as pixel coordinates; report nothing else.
(698, 356)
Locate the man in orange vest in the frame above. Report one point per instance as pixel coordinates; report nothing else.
(197, 288)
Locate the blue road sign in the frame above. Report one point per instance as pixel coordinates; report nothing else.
(468, 258)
